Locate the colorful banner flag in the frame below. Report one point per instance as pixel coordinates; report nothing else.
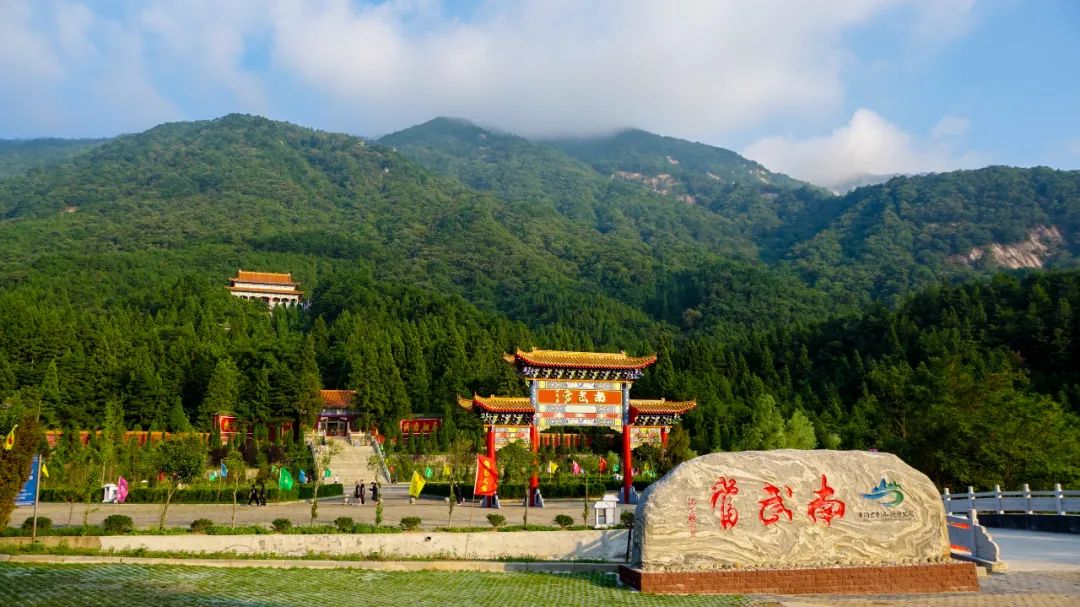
(285, 480)
(487, 479)
(575, 468)
(603, 465)
(303, 477)
(552, 467)
(446, 471)
(9, 443)
(121, 490)
(29, 489)
(44, 470)
(428, 472)
(224, 471)
(326, 473)
(416, 485)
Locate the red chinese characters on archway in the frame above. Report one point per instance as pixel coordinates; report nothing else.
(723, 501)
(772, 507)
(824, 508)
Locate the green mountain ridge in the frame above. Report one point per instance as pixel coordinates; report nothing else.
(794, 317)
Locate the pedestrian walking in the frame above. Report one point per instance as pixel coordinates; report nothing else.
(363, 490)
(374, 491)
(253, 495)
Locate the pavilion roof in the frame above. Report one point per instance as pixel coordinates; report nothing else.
(337, 399)
(580, 360)
(292, 291)
(661, 406)
(274, 278)
(497, 404)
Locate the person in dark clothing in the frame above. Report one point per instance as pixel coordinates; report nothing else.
(459, 495)
(363, 489)
(374, 491)
(253, 496)
(262, 493)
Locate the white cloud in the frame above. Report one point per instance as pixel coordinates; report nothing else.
(697, 68)
(950, 126)
(867, 145)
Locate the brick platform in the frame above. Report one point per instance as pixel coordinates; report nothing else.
(946, 577)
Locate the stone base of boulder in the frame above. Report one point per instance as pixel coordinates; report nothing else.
(900, 579)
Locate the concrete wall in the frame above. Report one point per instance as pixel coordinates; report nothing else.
(544, 545)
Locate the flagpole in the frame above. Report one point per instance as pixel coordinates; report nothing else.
(37, 494)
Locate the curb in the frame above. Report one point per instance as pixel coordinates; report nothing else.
(485, 566)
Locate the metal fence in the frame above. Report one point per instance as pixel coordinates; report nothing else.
(1024, 501)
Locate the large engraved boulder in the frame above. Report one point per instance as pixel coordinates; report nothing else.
(789, 509)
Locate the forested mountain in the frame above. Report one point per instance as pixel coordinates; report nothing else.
(112, 290)
(21, 155)
(912, 231)
(873, 243)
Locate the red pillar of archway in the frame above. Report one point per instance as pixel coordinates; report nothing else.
(628, 465)
(489, 502)
(663, 436)
(534, 479)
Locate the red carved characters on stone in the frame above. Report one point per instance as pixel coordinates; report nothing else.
(691, 504)
(823, 508)
(772, 507)
(724, 491)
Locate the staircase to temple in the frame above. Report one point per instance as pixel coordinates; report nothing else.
(351, 464)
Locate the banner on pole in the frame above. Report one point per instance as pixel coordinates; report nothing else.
(29, 490)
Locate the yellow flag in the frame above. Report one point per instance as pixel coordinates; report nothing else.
(446, 470)
(416, 484)
(44, 469)
(9, 443)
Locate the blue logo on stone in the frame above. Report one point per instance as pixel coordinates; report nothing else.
(887, 494)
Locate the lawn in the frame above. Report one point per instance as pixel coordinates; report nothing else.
(133, 585)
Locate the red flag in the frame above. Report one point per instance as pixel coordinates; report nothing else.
(487, 480)
(121, 490)
(575, 468)
(603, 465)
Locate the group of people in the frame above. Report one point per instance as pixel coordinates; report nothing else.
(257, 495)
(360, 490)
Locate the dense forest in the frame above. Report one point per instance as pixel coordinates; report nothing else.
(794, 317)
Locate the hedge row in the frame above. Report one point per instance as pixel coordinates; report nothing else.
(212, 495)
(549, 491)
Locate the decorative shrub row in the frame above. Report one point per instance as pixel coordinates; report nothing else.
(552, 491)
(212, 495)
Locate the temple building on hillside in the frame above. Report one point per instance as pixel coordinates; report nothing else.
(338, 416)
(273, 288)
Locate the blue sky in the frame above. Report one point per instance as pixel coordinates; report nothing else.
(825, 91)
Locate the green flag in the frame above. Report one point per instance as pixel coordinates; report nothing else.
(285, 481)
(326, 474)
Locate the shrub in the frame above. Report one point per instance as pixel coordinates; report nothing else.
(627, 518)
(281, 525)
(409, 523)
(496, 520)
(564, 520)
(117, 523)
(345, 524)
(43, 522)
(201, 525)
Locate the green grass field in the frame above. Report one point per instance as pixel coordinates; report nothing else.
(133, 585)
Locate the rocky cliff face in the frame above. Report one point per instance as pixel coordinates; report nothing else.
(1030, 253)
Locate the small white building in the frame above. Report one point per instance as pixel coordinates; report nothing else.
(273, 288)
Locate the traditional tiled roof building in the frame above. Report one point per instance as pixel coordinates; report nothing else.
(274, 288)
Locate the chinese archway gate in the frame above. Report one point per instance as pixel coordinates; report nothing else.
(577, 389)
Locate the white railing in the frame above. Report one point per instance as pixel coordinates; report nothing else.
(970, 540)
(1024, 501)
(382, 459)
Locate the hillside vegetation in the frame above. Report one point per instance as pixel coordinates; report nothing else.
(794, 317)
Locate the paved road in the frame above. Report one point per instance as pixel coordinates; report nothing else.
(433, 512)
(1037, 550)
